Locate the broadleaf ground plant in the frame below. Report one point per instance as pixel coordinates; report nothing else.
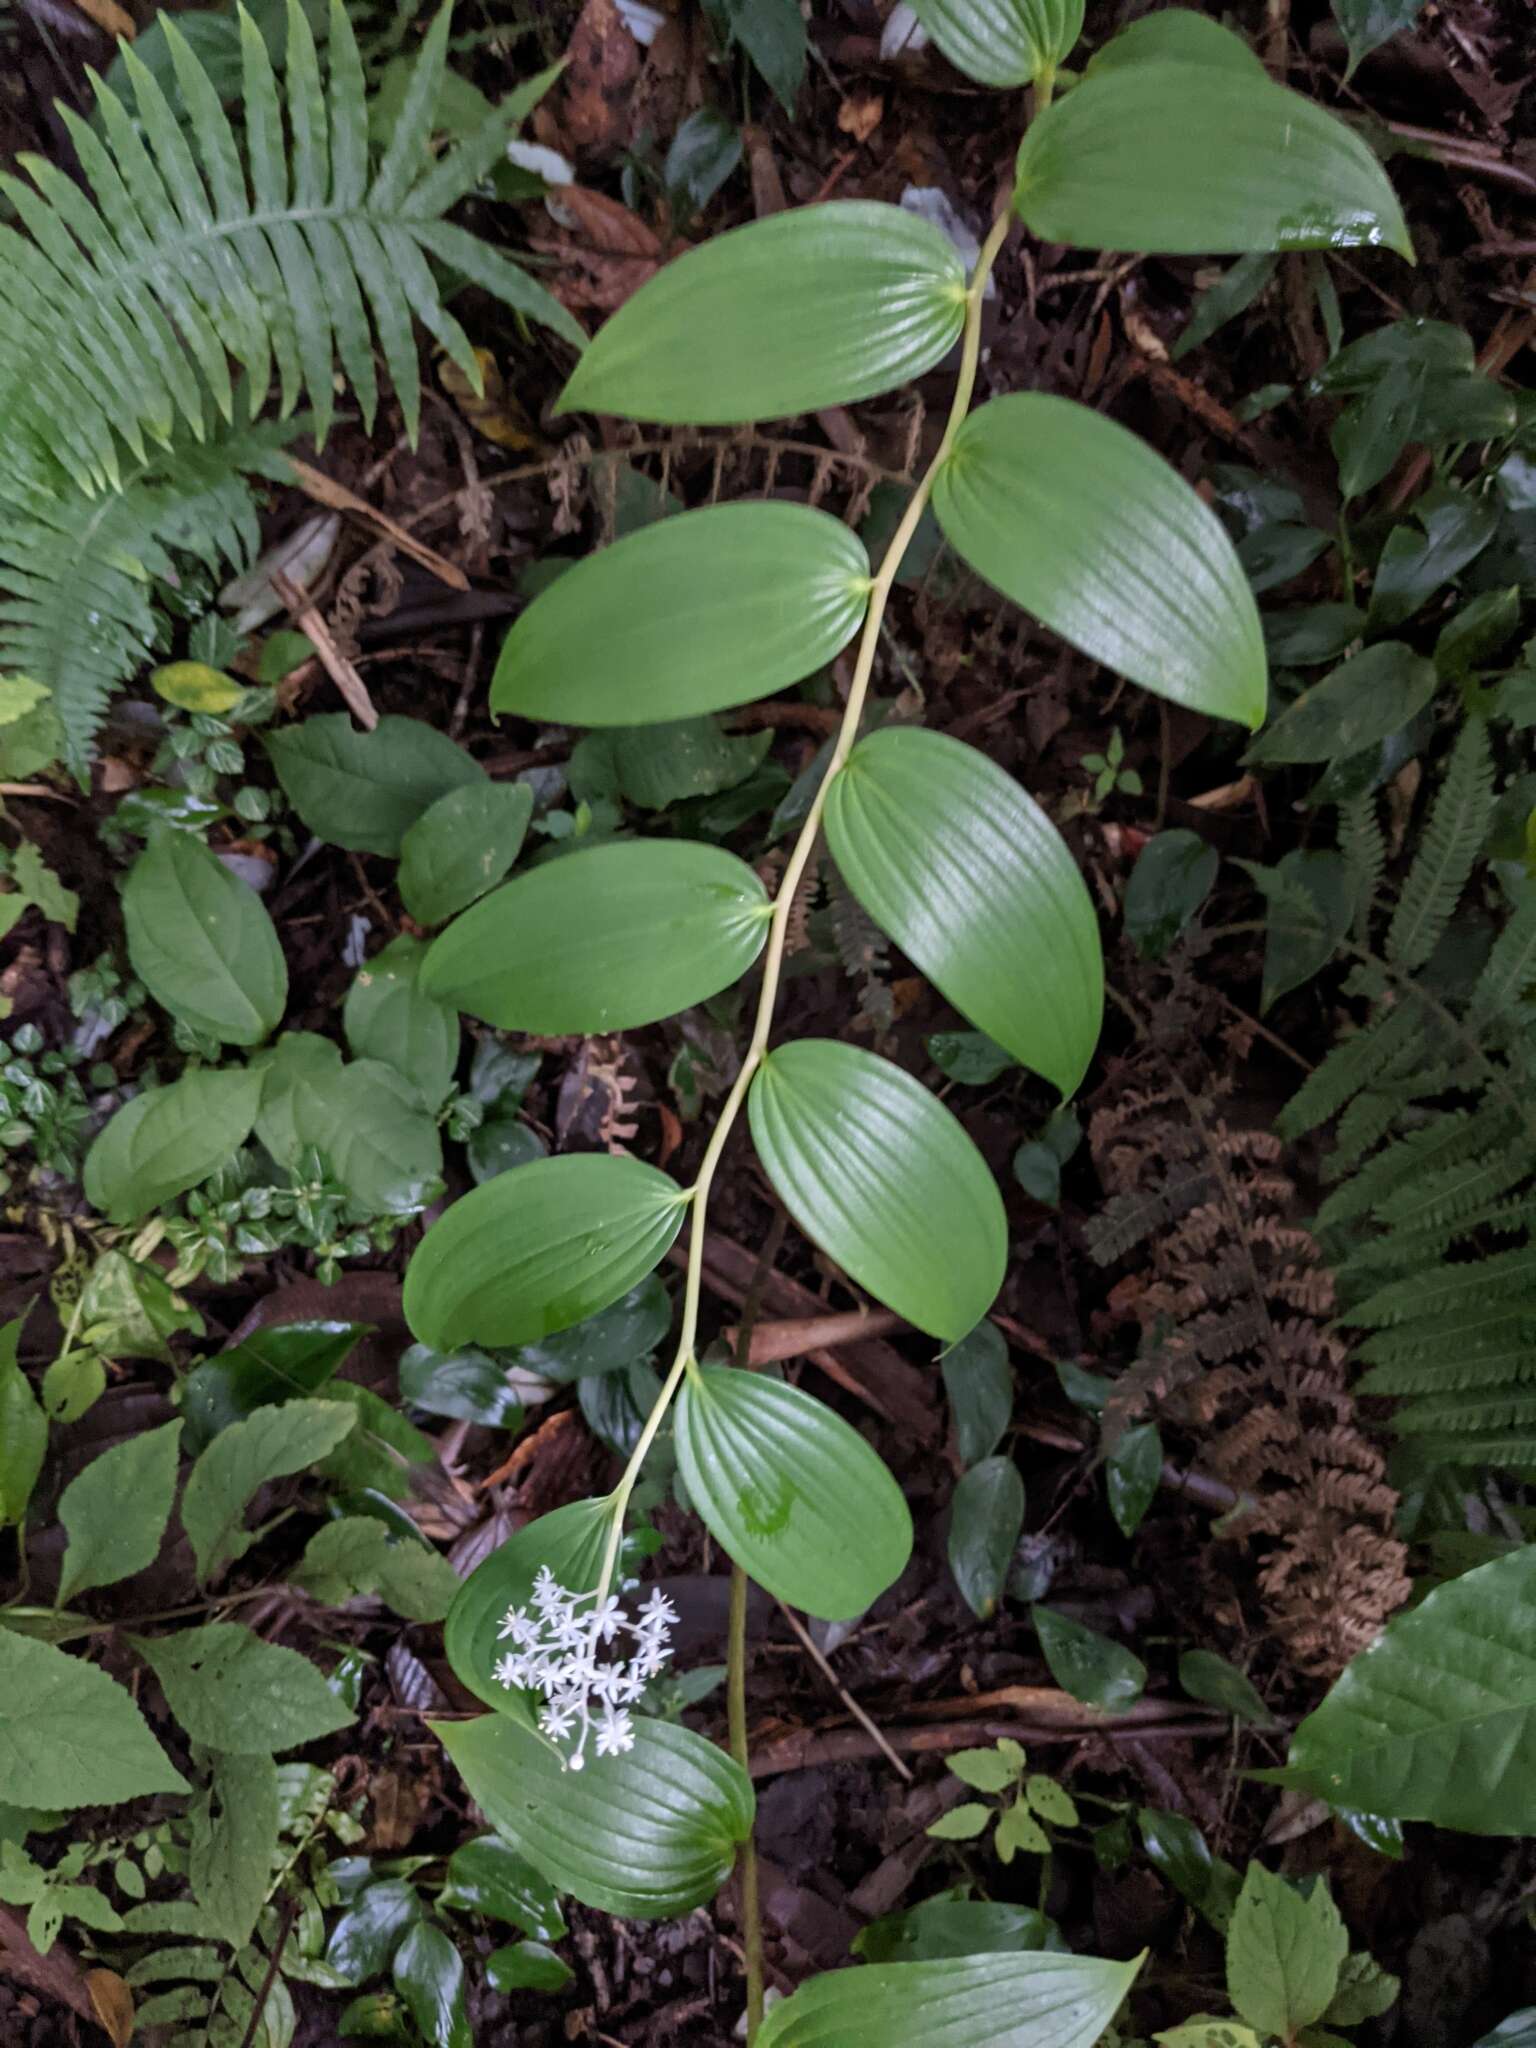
(300, 234)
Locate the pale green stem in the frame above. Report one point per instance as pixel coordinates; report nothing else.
(773, 953)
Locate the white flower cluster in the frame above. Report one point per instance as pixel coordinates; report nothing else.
(559, 1650)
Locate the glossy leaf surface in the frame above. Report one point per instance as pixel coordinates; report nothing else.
(1079, 521)
(169, 1139)
(1437, 1720)
(201, 941)
(692, 614)
(975, 884)
(462, 845)
(1367, 700)
(1092, 1667)
(790, 1491)
(882, 1177)
(984, 1526)
(988, 2001)
(1003, 42)
(718, 336)
(1124, 162)
(606, 939)
(647, 1834)
(538, 1249)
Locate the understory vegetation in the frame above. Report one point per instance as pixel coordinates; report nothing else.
(768, 986)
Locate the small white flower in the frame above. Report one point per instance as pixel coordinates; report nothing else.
(575, 1652)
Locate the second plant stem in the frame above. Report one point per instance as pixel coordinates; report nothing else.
(794, 873)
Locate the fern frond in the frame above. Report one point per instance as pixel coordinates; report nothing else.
(129, 296)
(1509, 976)
(1455, 1136)
(1511, 1363)
(1480, 1331)
(1448, 1291)
(1389, 1038)
(1453, 837)
(1364, 847)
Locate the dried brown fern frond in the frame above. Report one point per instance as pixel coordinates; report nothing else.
(1233, 1302)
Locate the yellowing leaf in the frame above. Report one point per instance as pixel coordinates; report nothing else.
(18, 696)
(493, 411)
(194, 686)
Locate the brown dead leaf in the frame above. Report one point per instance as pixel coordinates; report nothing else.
(607, 255)
(861, 114)
(113, 2003)
(108, 15)
(602, 64)
(56, 1975)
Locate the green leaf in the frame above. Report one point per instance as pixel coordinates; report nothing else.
(430, 1977)
(946, 1926)
(1369, 435)
(1205, 1676)
(23, 1431)
(1132, 1473)
(501, 1143)
(69, 1735)
(128, 1310)
(1448, 530)
(979, 1382)
(696, 613)
(984, 1526)
(1003, 42)
(1357, 706)
(1079, 521)
(231, 1691)
(365, 1938)
(364, 1118)
(527, 1966)
(389, 1016)
(270, 1444)
(1176, 1848)
(965, 1823)
(773, 34)
(1311, 901)
(1124, 162)
(615, 1337)
(169, 1139)
(1367, 24)
(882, 1177)
(461, 846)
(1517, 2031)
(606, 939)
(714, 338)
(984, 1770)
(234, 1845)
(571, 1541)
(469, 1385)
(1006, 2001)
(1364, 1992)
(700, 157)
(790, 1491)
(1051, 1801)
(201, 941)
(648, 1834)
(72, 1383)
(487, 1877)
(970, 877)
(656, 766)
(1177, 35)
(968, 1057)
(365, 790)
(1437, 1721)
(1173, 875)
(272, 1364)
(115, 1511)
(1283, 1953)
(539, 1248)
(357, 1555)
(1093, 1669)
(1019, 1832)
(1208, 2033)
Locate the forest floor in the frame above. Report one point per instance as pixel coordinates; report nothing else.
(849, 1728)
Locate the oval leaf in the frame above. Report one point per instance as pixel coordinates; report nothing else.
(790, 1491)
(462, 845)
(988, 2001)
(975, 884)
(1085, 526)
(1003, 42)
(388, 1016)
(1357, 706)
(1180, 36)
(692, 614)
(1124, 162)
(1437, 1720)
(168, 1139)
(201, 941)
(648, 1834)
(603, 940)
(570, 1541)
(539, 1248)
(1093, 1668)
(716, 337)
(984, 1527)
(365, 790)
(883, 1178)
